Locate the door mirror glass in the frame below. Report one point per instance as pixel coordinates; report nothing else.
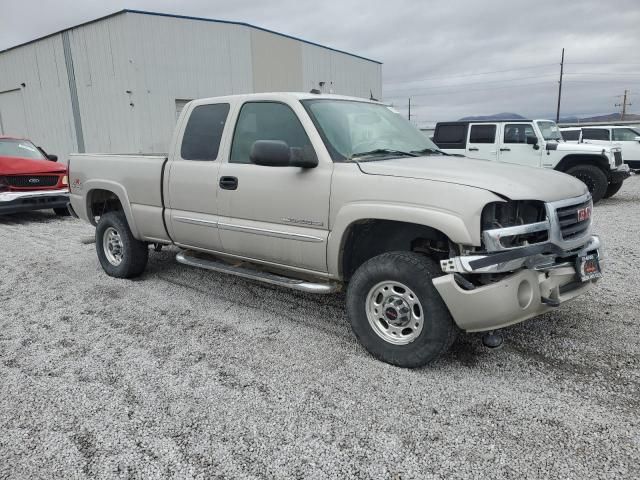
(276, 153)
(532, 140)
(270, 153)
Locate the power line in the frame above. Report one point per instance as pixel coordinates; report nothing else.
(475, 74)
(474, 90)
(406, 89)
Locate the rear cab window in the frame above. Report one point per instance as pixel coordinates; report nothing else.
(571, 135)
(451, 135)
(203, 133)
(482, 133)
(596, 134)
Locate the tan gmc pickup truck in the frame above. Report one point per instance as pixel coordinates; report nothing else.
(322, 192)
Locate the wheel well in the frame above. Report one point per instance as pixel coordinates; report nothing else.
(367, 238)
(100, 202)
(571, 161)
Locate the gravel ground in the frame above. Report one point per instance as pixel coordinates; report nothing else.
(186, 373)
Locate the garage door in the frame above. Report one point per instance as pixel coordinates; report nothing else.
(13, 120)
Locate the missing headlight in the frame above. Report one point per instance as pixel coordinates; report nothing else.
(499, 215)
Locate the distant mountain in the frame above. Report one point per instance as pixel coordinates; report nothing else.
(497, 116)
(609, 117)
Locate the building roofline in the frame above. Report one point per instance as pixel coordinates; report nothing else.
(186, 17)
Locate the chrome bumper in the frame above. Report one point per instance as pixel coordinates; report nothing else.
(537, 257)
(511, 300)
(12, 196)
(12, 202)
(536, 282)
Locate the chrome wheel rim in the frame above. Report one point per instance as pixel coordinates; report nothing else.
(112, 246)
(394, 312)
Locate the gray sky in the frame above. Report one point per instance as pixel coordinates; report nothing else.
(437, 52)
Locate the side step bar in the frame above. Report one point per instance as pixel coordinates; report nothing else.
(187, 258)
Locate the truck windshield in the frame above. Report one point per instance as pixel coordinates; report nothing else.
(10, 147)
(366, 131)
(549, 130)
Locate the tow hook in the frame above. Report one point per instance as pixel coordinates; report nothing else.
(492, 339)
(550, 301)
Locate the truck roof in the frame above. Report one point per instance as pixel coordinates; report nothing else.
(285, 95)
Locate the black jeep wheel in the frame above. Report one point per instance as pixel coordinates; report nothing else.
(396, 312)
(120, 254)
(593, 177)
(612, 189)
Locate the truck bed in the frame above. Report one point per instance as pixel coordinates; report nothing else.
(135, 178)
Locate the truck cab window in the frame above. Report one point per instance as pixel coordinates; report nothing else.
(482, 134)
(624, 135)
(266, 121)
(571, 134)
(518, 132)
(202, 135)
(595, 134)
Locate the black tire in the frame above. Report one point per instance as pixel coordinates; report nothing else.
(612, 189)
(414, 271)
(593, 177)
(133, 253)
(62, 211)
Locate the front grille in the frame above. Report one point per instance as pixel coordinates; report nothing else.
(570, 226)
(33, 181)
(618, 158)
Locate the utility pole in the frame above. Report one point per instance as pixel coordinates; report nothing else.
(409, 115)
(560, 87)
(624, 104)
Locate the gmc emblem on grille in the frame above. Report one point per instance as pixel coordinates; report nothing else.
(34, 180)
(584, 214)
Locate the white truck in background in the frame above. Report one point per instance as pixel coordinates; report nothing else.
(626, 138)
(535, 143)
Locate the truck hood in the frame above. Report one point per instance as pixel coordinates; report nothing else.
(515, 182)
(28, 166)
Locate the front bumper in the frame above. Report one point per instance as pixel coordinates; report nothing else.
(13, 202)
(620, 174)
(517, 296)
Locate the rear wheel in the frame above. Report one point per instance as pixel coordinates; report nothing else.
(396, 312)
(612, 189)
(120, 254)
(594, 178)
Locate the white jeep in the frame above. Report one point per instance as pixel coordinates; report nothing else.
(536, 143)
(618, 136)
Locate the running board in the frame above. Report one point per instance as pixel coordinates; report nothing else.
(187, 258)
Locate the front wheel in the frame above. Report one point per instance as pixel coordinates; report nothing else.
(612, 189)
(396, 312)
(120, 253)
(593, 177)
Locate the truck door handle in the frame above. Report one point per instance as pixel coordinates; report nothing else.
(473, 149)
(505, 149)
(229, 183)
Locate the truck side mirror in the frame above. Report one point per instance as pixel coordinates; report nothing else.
(276, 153)
(53, 158)
(533, 140)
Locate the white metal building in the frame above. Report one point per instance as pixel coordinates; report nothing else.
(118, 83)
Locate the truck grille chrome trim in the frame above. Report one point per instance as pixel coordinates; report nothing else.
(568, 229)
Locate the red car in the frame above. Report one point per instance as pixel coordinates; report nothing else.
(31, 179)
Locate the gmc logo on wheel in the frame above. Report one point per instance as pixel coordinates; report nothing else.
(584, 214)
(34, 180)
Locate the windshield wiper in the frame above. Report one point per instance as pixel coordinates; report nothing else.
(429, 151)
(383, 151)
